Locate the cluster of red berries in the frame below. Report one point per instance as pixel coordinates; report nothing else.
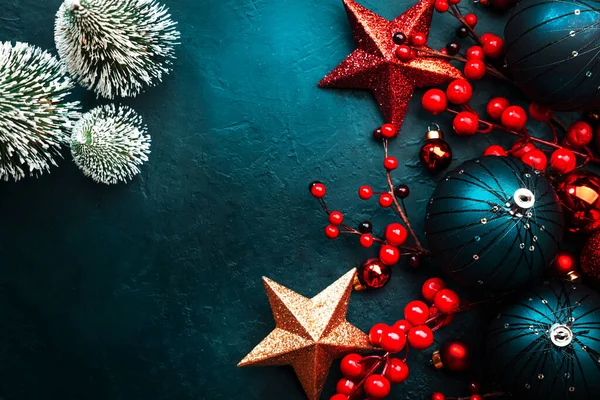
(411, 331)
(404, 51)
(474, 388)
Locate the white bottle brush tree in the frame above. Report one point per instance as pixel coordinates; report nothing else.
(116, 47)
(34, 120)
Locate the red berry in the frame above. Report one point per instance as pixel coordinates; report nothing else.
(433, 311)
(459, 91)
(390, 163)
(495, 150)
(454, 1)
(540, 113)
(434, 101)
(403, 52)
(418, 39)
(377, 386)
(580, 134)
(441, 6)
(388, 131)
(521, 148)
(493, 46)
(335, 218)
(431, 287)
(474, 387)
(389, 255)
(366, 240)
(396, 234)
(332, 231)
(396, 371)
(438, 396)
(514, 117)
(471, 19)
(447, 301)
(496, 106)
(420, 337)
(475, 53)
(563, 161)
(536, 159)
(416, 312)
(403, 325)
(393, 340)
(365, 192)
(339, 397)
(443, 50)
(465, 123)
(564, 262)
(318, 190)
(345, 386)
(351, 366)
(487, 36)
(475, 397)
(385, 200)
(474, 69)
(376, 333)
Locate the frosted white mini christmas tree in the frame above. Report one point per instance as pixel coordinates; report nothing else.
(116, 47)
(34, 120)
(109, 144)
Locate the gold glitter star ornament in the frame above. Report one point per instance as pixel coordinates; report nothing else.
(309, 333)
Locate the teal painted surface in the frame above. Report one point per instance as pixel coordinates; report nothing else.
(152, 290)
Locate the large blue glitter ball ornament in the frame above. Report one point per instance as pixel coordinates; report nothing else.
(551, 52)
(547, 344)
(494, 223)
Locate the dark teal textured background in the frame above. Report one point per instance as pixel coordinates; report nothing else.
(153, 290)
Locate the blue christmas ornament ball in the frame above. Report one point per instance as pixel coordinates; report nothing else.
(547, 344)
(494, 223)
(552, 52)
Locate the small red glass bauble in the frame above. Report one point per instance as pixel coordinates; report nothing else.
(431, 287)
(393, 340)
(404, 53)
(339, 397)
(376, 333)
(434, 101)
(447, 301)
(474, 69)
(496, 106)
(377, 386)
(493, 46)
(579, 134)
(536, 159)
(390, 163)
(465, 123)
(420, 337)
(495, 150)
(520, 148)
(352, 367)
(435, 155)
(396, 234)
(396, 371)
(385, 200)
(475, 53)
(441, 6)
(332, 231)
(389, 255)
(366, 240)
(590, 257)
(564, 263)
(540, 113)
(455, 355)
(459, 91)
(345, 386)
(317, 189)
(579, 193)
(373, 274)
(416, 312)
(438, 396)
(514, 117)
(365, 192)
(418, 39)
(403, 326)
(389, 131)
(471, 20)
(336, 218)
(563, 161)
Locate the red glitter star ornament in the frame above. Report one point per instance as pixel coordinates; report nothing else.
(375, 66)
